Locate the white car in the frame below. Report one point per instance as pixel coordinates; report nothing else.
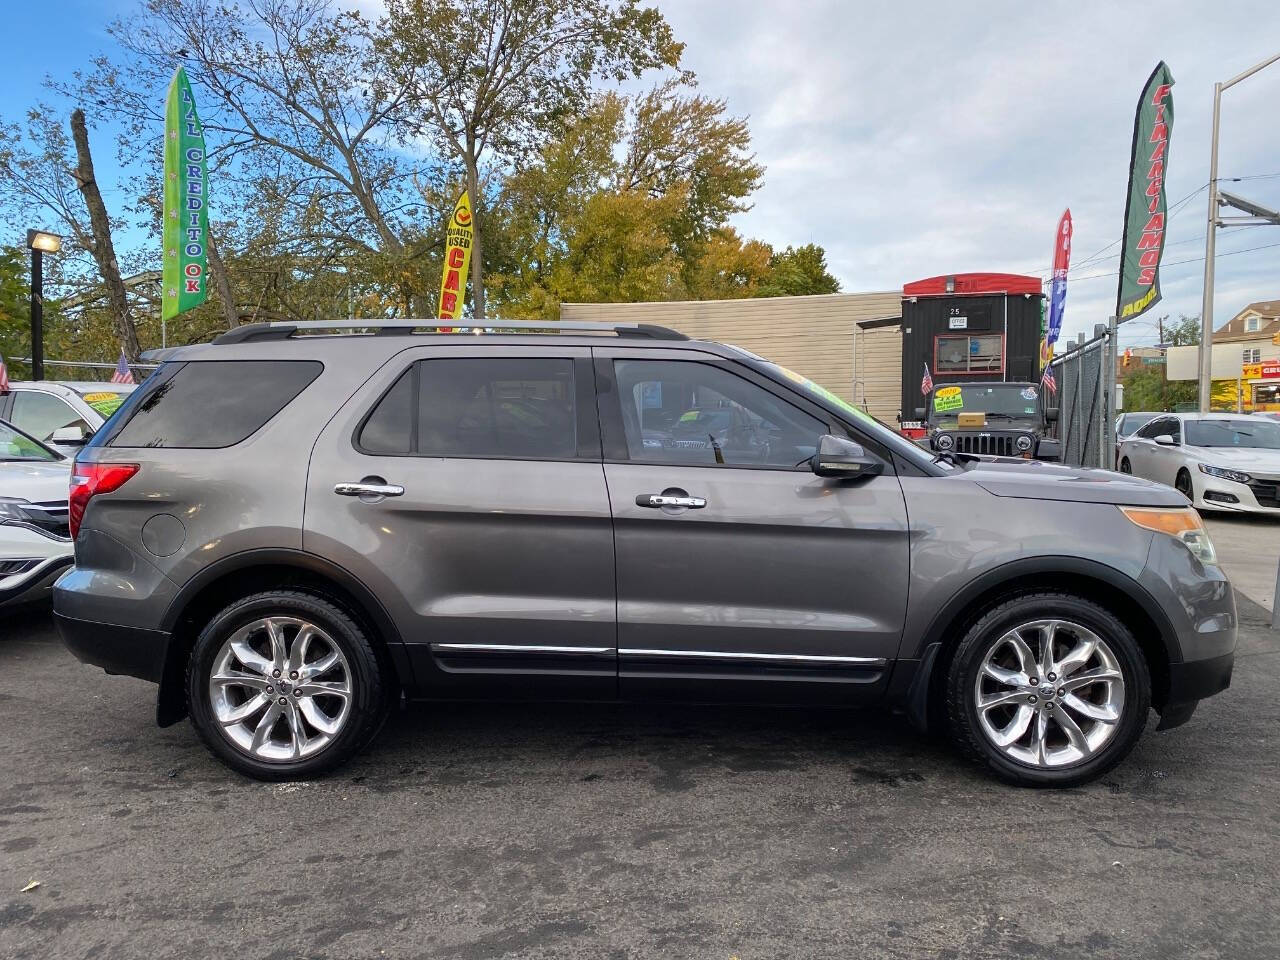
(62, 414)
(1219, 461)
(35, 544)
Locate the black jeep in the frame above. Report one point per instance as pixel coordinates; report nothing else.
(990, 419)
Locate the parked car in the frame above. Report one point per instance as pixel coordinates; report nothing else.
(1126, 425)
(35, 544)
(290, 531)
(62, 414)
(1218, 461)
(995, 419)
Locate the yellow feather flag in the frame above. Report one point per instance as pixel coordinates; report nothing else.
(457, 258)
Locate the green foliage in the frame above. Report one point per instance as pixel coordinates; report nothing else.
(1184, 332)
(798, 272)
(339, 143)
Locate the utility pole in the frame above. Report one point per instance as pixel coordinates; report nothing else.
(1206, 311)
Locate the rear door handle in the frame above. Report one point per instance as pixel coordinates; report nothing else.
(668, 500)
(366, 489)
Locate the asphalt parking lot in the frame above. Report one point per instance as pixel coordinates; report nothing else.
(595, 831)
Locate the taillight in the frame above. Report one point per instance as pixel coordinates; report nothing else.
(90, 479)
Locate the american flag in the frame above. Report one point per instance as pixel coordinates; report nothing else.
(123, 374)
(926, 382)
(1049, 381)
(4, 377)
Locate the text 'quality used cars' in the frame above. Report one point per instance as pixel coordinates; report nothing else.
(294, 526)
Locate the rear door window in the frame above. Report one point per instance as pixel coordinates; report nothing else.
(211, 403)
(519, 408)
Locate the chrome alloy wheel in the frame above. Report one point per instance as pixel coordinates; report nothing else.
(1049, 693)
(280, 688)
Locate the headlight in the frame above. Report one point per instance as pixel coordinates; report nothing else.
(1184, 525)
(1023, 443)
(944, 441)
(1223, 473)
(11, 510)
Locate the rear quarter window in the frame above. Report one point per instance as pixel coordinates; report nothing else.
(211, 403)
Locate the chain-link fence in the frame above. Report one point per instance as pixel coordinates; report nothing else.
(1085, 374)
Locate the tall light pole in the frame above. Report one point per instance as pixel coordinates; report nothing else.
(39, 242)
(1206, 310)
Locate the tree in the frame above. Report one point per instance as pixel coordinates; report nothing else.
(798, 272)
(1185, 332)
(303, 116)
(634, 194)
(495, 78)
(98, 241)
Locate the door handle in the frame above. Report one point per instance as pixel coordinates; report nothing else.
(668, 500)
(368, 489)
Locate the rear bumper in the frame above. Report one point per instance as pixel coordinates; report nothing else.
(128, 650)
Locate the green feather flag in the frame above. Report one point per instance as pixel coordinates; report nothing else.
(186, 203)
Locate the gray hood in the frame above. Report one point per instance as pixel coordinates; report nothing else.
(1035, 480)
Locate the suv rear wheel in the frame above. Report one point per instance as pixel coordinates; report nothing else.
(284, 685)
(1048, 689)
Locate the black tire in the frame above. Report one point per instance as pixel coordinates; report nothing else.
(1126, 466)
(1182, 483)
(993, 624)
(370, 694)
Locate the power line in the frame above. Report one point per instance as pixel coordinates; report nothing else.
(1173, 211)
(1174, 263)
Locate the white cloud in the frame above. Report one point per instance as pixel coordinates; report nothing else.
(924, 138)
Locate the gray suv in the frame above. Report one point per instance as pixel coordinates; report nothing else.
(293, 527)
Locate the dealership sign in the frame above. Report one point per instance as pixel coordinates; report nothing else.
(186, 203)
(1146, 206)
(457, 257)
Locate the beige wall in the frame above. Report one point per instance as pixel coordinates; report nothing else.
(814, 336)
(877, 368)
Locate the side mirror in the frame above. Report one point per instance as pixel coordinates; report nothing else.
(68, 436)
(1165, 440)
(1051, 414)
(920, 412)
(839, 457)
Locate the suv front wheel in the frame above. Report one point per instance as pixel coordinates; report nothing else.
(1048, 689)
(284, 685)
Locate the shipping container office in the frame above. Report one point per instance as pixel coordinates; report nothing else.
(969, 327)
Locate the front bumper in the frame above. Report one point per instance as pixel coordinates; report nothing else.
(128, 650)
(47, 557)
(1218, 493)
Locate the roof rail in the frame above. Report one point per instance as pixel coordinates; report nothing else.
(282, 331)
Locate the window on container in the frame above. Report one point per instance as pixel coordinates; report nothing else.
(212, 403)
(969, 353)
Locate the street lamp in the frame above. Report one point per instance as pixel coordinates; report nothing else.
(1210, 240)
(39, 242)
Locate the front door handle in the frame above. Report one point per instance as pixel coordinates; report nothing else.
(367, 488)
(669, 500)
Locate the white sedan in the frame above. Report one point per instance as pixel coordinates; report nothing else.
(1219, 461)
(35, 544)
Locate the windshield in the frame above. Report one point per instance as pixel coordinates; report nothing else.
(16, 446)
(1020, 400)
(1253, 432)
(105, 401)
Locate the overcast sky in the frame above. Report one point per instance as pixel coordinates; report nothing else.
(916, 139)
